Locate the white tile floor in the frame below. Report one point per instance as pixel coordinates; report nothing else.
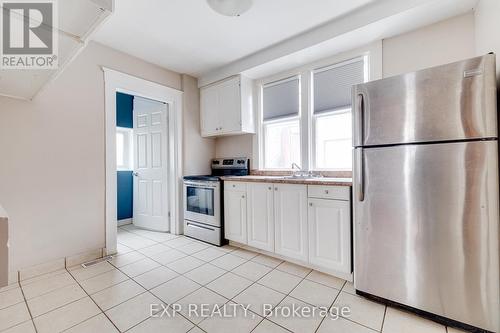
(164, 269)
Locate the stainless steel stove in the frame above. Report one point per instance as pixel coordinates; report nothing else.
(203, 199)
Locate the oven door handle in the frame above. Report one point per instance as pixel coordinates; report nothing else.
(199, 226)
(201, 185)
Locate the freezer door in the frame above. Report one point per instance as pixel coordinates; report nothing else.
(450, 102)
(426, 228)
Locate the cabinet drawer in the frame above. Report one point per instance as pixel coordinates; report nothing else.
(329, 192)
(235, 186)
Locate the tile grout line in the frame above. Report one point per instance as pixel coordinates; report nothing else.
(146, 291)
(334, 300)
(215, 292)
(383, 319)
(102, 311)
(341, 290)
(27, 307)
(253, 283)
(288, 295)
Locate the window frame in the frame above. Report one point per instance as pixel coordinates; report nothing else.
(128, 149)
(371, 55)
(262, 123)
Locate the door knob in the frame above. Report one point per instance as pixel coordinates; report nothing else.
(136, 174)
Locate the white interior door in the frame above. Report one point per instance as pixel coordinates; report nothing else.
(150, 165)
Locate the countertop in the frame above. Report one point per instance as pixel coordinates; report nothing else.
(282, 180)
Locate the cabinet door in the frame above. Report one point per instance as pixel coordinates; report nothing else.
(330, 236)
(260, 216)
(229, 106)
(235, 216)
(209, 105)
(290, 207)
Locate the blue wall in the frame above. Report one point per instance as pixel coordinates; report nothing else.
(124, 118)
(125, 195)
(124, 110)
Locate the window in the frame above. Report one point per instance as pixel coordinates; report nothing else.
(333, 140)
(319, 138)
(124, 150)
(331, 116)
(281, 123)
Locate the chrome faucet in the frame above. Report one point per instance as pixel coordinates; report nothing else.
(299, 173)
(302, 173)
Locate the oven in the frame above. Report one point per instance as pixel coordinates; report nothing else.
(202, 202)
(203, 198)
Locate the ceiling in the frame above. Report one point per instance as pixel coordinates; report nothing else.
(188, 37)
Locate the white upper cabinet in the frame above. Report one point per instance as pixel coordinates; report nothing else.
(260, 216)
(290, 207)
(226, 107)
(330, 236)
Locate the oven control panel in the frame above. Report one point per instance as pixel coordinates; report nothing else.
(230, 163)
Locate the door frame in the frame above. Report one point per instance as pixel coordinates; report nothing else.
(115, 81)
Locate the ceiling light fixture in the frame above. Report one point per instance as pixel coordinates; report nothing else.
(230, 7)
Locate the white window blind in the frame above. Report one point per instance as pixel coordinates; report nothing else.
(332, 86)
(281, 99)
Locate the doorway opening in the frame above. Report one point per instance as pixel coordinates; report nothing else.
(141, 161)
(143, 167)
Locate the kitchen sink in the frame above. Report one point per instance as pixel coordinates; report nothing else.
(302, 176)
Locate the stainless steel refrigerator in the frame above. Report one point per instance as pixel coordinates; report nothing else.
(426, 204)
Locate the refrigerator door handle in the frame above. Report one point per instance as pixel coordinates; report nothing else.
(358, 118)
(360, 174)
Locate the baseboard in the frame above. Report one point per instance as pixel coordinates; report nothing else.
(54, 265)
(40, 269)
(348, 277)
(84, 257)
(125, 222)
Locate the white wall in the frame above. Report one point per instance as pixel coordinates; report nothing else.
(487, 20)
(198, 151)
(52, 158)
(437, 44)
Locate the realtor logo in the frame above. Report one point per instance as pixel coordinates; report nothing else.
(29, 34)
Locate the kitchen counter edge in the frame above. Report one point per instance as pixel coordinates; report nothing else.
(280, 180)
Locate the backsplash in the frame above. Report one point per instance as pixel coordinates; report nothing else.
(331, 174)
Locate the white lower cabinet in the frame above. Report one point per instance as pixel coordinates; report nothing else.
(310, 225)
(235, 213)
(330, 236)
(290, 215)
(260, 216)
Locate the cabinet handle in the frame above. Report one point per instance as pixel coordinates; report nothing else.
(270, 188)
(311, 204)
(326, 191)
(243, 197)
(234, 185)
(275, 188)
